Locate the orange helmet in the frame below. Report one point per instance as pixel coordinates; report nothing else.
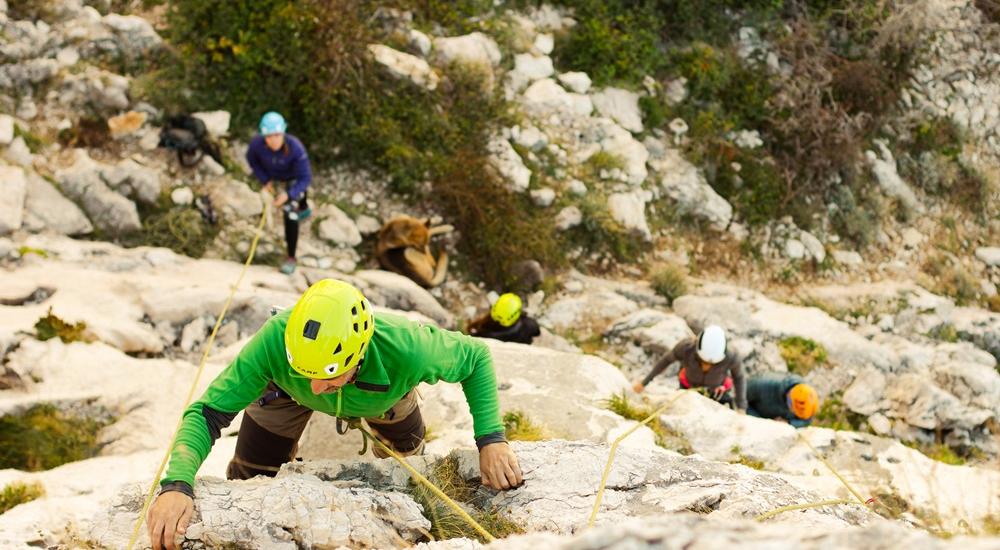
(803, 401)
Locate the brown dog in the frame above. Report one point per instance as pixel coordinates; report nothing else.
(404, 247)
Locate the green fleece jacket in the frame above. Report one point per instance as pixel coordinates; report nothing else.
(401, 355)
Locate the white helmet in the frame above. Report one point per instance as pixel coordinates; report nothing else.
(712, 344)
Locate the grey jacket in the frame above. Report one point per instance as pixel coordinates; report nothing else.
(686, 353)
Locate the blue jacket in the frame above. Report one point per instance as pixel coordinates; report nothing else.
(767, 397)
(290, 163)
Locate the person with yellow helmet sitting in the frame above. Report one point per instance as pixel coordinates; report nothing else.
(331, 354)
(506, 321)
(782, 397)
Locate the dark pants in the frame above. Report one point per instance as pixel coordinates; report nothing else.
(292, 226)
(269, 434)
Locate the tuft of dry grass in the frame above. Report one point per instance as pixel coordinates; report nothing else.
(18, 493)
(519, 427)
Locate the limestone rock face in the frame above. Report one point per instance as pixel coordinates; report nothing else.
(12, 200)
(391, 290)
(696, 532)
(562, 477)
(290, 512)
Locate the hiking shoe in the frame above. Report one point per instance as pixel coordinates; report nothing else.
(288, 267)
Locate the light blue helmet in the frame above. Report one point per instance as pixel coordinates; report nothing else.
(272, 123)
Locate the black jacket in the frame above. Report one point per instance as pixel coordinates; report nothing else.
(523, 331)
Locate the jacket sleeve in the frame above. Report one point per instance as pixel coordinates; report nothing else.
(457, 358)
(662, 364)
(255, 165)
(236, 387)
(302, 173)
(739, 383)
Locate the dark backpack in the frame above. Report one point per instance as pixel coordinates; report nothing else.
(187, 135)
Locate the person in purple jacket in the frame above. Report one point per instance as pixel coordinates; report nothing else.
(277, 157)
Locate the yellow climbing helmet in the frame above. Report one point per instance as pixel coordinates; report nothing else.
(507, 309)
(803, 401)
(328, 330)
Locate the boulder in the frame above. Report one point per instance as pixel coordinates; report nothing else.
(620, 105)
(46, 209)
(135, 34)
(546, 97)
(216, 122)
(883, 165)
(506, 160)
(419, 42)
(577, 82)
(6, 129)
(134, 180)
(337, 227)
(629, 209)
(12, 198)
(475, 49)
(529, 68)
(405, 66)
(989, 255)
(108, 210)
(685, 184)
(543, 197)
(391, 290)
(235, 198)
(568, 218)
(587, 313)
(19, 153)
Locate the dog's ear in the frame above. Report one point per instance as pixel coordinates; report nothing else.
(427, 222)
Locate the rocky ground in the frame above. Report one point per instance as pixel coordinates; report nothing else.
(902, 363)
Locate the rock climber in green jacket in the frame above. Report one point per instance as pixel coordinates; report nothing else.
(330, 353)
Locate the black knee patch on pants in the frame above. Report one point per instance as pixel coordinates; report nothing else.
(258, 451)
(405, 435)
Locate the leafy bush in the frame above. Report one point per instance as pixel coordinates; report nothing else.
(949, 278)
(519, 427)
(31, 10)
(51, 326)
(18, 493)
(669, 281)
(179, 228)
(802, 354)
(613, 41)
(599, 232)
(44, 437)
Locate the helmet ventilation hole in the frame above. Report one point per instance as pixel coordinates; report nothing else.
(311, 329)
(340, 348)
(347, 362)
(355, 327)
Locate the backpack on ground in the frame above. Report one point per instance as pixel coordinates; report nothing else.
(187, 135)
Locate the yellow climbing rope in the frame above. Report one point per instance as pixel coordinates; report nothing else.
(791, 507)
(830, 467)
(614, 449)
(420, 478)
(197, 377)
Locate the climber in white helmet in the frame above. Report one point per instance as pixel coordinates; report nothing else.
(705, 363)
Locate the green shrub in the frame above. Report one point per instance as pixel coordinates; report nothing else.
(599, 232)
(445, 522)
(938, 451)
(51, 326)
(518, 427)
(945, 332)
(613, 41)
(44, 437)
(179, 228)
(802, 354)
(834, 414)
(669, 281)
(31, 10)
(18, 493)
(949, 278)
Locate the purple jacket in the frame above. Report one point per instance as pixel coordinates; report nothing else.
(290, 163)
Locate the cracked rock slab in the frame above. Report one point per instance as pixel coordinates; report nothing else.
(286, 513)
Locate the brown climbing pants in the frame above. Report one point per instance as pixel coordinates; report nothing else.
(269, 433)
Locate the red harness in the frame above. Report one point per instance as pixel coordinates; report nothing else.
(682, 377)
